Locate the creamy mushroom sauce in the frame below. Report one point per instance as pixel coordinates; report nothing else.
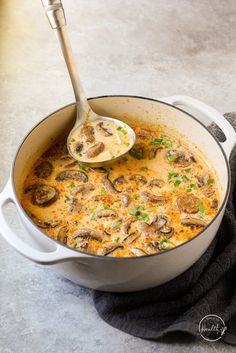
(160, 195)
(99, 141)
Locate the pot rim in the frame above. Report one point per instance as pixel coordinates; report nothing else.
(110, 257)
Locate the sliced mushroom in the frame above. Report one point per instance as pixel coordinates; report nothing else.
(148, 231)
(131, 238)
(203, 179)
(43, 224)
(153, 152)
(143, 134)
(119, 181)
(75, 207)
(44, 195)
(62, 235)
(100, 170)
(153, 247)
(125, 227)
(43, 170)
(193, 222)
(89, 234)
(149, 197)
(79, 147)
(72, 175)
(125, 199)
(188, 203)
(102, 130)
(138, 252)
(152, 230)
(161, 222)
(159, 183)
(83, 189)
(108, 185)
(82, 244)
(167, 231)
(87, 133)
(214, 204)
(138, 179)
(109, 248)
(57, 151)
(208, 190)
(106, 213)
(95, 150)
(138, 151)
(71, 165)
(180, 158)
(31, 187)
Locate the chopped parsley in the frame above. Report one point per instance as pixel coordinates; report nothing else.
(68, 198)
(144, 169)
(177, 183)
(185, 178)
(117, 239)
(105, 207)
(191, 187)
(71, 185)
(171, 158)
(103, 191)
(121, 129)
(172, 174)
(187, 170)
(210, 181)
(116, 224)
(136, 153)
(137, 212)
(92, 214)
(83, 167)
(165, 244)
(136, 196)
(72, 140)
(202, 209)
(161, 141)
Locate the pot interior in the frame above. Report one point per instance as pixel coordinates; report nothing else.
(132, 110)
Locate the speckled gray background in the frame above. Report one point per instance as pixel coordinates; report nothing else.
(153, 48)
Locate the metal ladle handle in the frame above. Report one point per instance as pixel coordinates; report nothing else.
(55, 13)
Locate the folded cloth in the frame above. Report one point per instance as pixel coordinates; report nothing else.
(208, 287)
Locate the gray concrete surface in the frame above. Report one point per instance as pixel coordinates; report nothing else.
(154, 48)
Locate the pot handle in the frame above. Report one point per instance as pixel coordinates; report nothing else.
(209, 115)
(60, 254)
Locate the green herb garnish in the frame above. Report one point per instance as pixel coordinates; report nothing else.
(165, 244)
(185, 178)
(136, 153)
(68, 198)
(144, 169)
(136, 196)
(117, 239)
(103, 191)
(161, 141)
(172, 174)
(83, 167)
(92, 214)
(121, 129)
(187, 170)
(202, 209)
(116, 224)
(171, 158)
(210, 181)
(177, 183)
(72, 185)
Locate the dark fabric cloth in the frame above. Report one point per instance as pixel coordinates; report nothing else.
(208, 287)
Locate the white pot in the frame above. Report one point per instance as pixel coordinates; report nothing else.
(109, 273)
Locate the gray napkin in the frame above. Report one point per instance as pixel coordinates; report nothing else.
(208, 287)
